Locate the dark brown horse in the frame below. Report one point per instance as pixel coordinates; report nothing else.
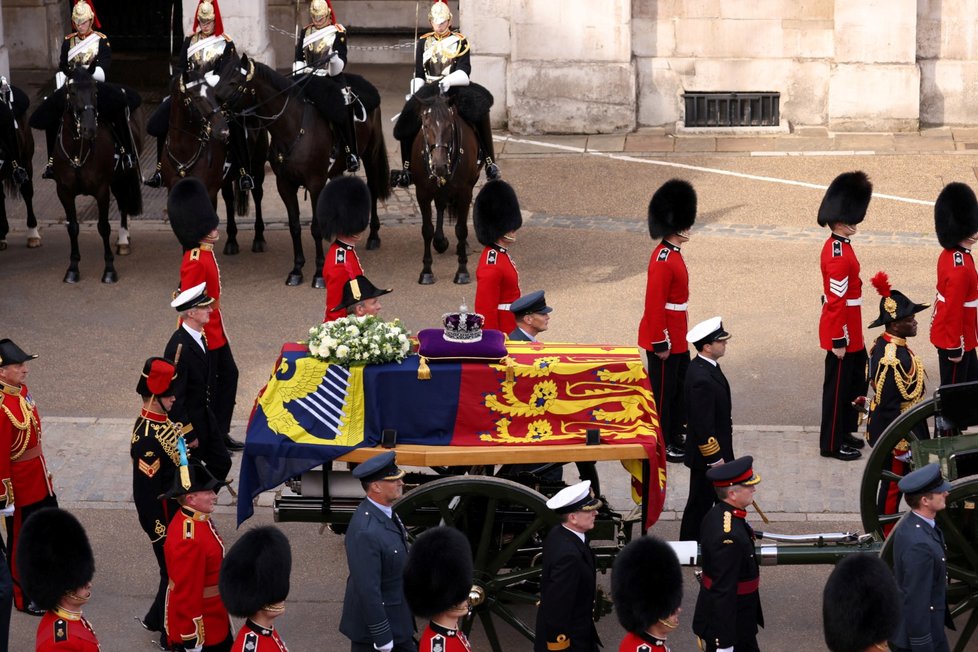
(85, 164)
(444, 168)
(25, 152)
(301, 143)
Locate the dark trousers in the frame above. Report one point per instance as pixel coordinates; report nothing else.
(845, 380)
(953, 373)
(14, 524)
(702, 497)
(667, 378)
(403, 646)
(223, 383)
(154, 617)
(223, 646)
(747, 645)
(212, 451)
(6, 603)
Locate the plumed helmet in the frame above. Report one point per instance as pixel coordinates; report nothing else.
(438, 574)
(191, 213)
(439, 12)
(846, 199)
(53, 556)
(955, 214)
(255, 572)
(860, 604)
(209, 10)
(672, 208)
(84, 10)
(646, 583)
(343, 207)
(320, 9)
(496, 212)
(156, 378)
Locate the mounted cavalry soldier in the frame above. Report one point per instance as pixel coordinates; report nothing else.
(204, 51)
(85, 48)
(320, 58)
(442, 64)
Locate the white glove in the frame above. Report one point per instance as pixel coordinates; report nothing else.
(59, 79)
(298, 67)
(99, 74)
(200, 648)
(335, 66)
(387, 647)
(416, 84)
(457, 78)
(725, 649)
(212, 78)
(7, 511)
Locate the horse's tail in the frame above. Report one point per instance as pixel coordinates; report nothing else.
(240, 200)
(378, 167)
(128, 191)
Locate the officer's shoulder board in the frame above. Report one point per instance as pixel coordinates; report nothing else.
(727, 521)
(958, 259)
(339, 28)
(60, 630)
(340, 255)
(643, 648)
(188, 528)
(836, 248)
(429, 34)
(226, 37)
(195, 253)
(663, 255)
(251, 641)
(437, 643)
(68, 36)
(491, 257)
(101, 35)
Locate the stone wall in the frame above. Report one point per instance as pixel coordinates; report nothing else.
(947, 54)
(32, 32)
(247, 23)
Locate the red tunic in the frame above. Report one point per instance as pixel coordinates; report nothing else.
(252, 637)
(841, 324)
(23, 473)
(954, 324)
(497, 286)
(200, 266)
(436, 638)
(664, 326)
(342, 264)
(642, 643)
(194, 550)
(63, 631)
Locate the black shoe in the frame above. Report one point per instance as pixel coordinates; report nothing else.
(19, 175)
(844, 453)
(675, 454)
(154, 181)
(352, 163)
(246, 182)
(48, 171)
(233, 444)
(492, 171)
(33, 610)
(148, 627)
(852, 442)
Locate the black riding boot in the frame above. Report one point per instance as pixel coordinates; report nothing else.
(156, 180)
(402, 178)
(484, 130)
(49, 135)
(127, 151)
(10, 148)
(350, 132)
(239, 148)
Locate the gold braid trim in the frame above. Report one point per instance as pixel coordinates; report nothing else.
(910, 384)
(23, 427)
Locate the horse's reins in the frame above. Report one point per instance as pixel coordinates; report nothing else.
(203, 135)
(78, 161)
(451, 149)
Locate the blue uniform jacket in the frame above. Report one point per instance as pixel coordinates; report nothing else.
(920, 566)
(374, 608)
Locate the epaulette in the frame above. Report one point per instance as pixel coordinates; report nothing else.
(459, 35)
(251, 641)
(958, 259)
(100, 34)
(70, 35)
(889, 355)
(727, 521)
(491, 257)
(427, 35)
(226, 37)
(339, 28)
(60, 630)
(663, 255)
(195, 253)
(188, 528)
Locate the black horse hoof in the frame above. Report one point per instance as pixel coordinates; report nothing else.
(462, 278)
(109, 276)
(294, 279)
(426, 278)
(441, 245)
(258, 246)
(373, 243)
(231, 248)
(318, 282)
(72, 276)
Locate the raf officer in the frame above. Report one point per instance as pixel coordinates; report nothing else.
(920, 564)
(361, 297)
(728, 608)
(532, 316)
(375, 614)
(709, 427)
(565, 619)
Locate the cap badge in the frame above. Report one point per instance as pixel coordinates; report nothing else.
(890, 306)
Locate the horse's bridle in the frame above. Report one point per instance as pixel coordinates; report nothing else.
(452, 149)
(76, 113)
(203, 136)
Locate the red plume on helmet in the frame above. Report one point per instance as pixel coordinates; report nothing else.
(882, 283)
(218, 23)
(95, 21)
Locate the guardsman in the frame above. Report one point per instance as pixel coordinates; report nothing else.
(155, 458)
(254, 585)
(496, 218)
(204, 51)
(532, 316)
(195, 616)
(565, 618)
(320, 56)
(897, 378)
(709, 439)
(375, 614)
(954, 325)
(728, 608)
(194, 222)
(442, 65)
(860, 605)
(24, 476)
(662, 331)
(86, 48)
(361, 297)
(647, 589)
(437, 583)
(840, 328)
(920, 564)
(343, 211)
(57, 567)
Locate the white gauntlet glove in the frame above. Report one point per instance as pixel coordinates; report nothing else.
(457, 78)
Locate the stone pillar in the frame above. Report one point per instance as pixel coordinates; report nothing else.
(486, 25)
(875, 82)
(32, 34)
(246, 23)
(947, 52)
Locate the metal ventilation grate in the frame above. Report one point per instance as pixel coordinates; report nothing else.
(714, 109)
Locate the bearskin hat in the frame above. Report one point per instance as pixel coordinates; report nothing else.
(343, 207)
(955, 214)
(496, 212)
(191, 213)
(255, 572)
(646, 583)
(860, 604)
(846, 199)
(672, 209)
(438, 574)
(53, 556)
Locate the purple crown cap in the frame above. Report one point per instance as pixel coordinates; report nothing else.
(462, 326)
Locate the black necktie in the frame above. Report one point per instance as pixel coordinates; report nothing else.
(400, 526)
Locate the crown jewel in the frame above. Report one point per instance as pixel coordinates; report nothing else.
(462, 326)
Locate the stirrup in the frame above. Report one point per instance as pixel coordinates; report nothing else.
(154, 181)
(245, 182)
(19, 174)
(352, 163)
(48, 169)
(492, 171)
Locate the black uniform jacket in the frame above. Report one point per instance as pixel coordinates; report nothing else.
(889, 360)
(154, 463)
(727, 612)
(567, 586)
(709, 426)
(103, 58)
(192, 407)
(920, 566)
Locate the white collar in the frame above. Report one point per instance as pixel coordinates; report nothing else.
(712, 362)
(197, 335)
(387, 509)
(931, 522)
(532, 338)
(579, 535)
